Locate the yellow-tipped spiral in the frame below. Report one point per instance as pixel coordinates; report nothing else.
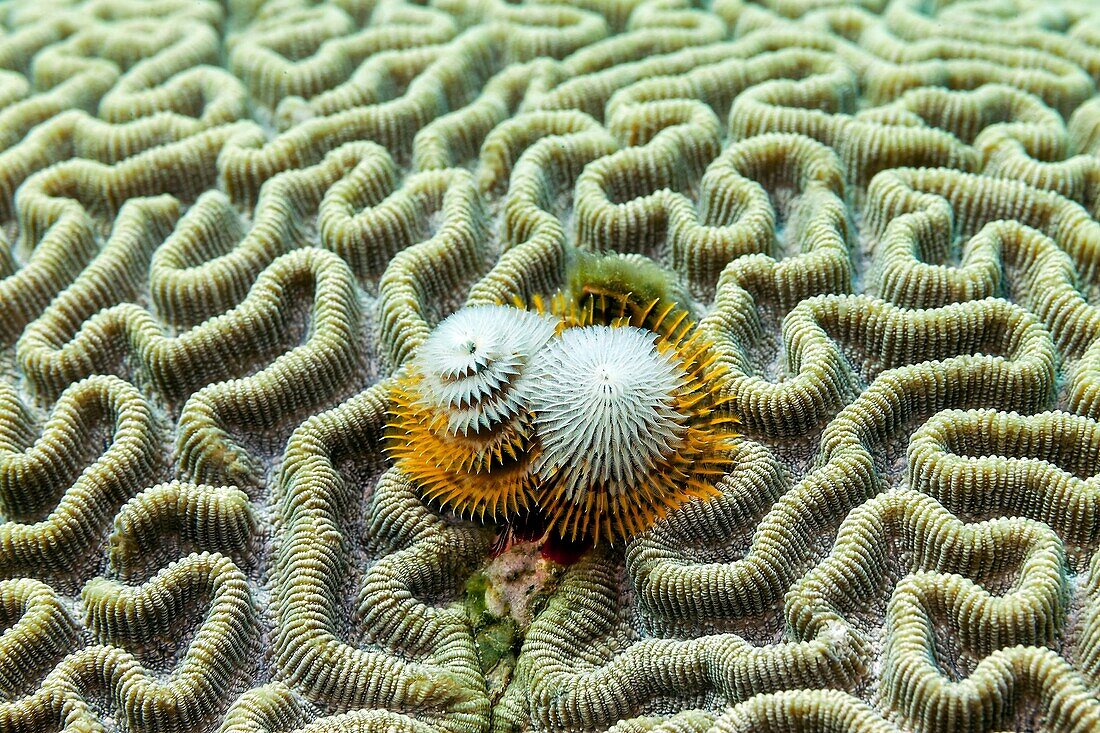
(458, 425)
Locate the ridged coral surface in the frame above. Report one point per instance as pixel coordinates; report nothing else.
(231, 231)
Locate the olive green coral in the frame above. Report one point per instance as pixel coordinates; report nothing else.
(61, 488)
(419, 658)
(227, 230)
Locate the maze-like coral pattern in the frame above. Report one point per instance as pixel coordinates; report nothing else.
(229, 226)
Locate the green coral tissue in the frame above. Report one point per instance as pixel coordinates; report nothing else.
(549, 366)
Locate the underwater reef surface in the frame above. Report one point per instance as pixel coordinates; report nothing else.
(228, 228)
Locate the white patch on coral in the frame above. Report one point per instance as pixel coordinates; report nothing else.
(515, 577)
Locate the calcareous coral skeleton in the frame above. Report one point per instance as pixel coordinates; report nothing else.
(544, 366)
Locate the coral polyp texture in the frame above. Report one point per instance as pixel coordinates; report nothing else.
(372, 365)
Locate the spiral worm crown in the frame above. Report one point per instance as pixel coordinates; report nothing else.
(460, 427)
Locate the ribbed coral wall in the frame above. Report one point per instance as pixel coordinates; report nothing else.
(226, 227)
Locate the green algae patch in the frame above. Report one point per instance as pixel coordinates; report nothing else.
(501, 600)
(613, 274)
(497, 637)
(475, 606)
(496, 643)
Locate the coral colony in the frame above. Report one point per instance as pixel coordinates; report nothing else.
(549, 366)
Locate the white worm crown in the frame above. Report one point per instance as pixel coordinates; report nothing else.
(471, 362)
(604, 405)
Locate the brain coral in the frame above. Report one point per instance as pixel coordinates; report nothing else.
(290, 401)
